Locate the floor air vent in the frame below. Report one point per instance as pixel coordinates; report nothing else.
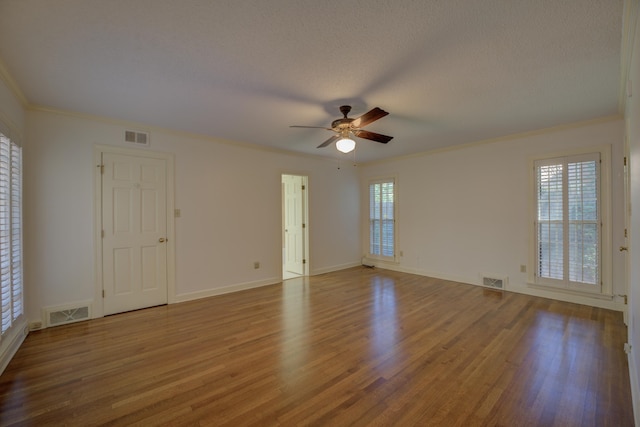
(63, 316)
(494, 282)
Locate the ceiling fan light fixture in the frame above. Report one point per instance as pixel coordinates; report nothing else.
(346, 145)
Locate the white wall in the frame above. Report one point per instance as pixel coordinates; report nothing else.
(632, 116)
(465, 212)
(230, 201)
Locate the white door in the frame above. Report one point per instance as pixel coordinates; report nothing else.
(294, 223)
(134, 226)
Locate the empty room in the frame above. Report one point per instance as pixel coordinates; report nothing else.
(337, 213)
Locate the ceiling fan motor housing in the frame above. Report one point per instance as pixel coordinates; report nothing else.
(340, 124)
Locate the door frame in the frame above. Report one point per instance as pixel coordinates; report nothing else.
(626, 176)
(98, 151)
(305, 219)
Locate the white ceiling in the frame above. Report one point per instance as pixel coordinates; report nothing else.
(448, 72)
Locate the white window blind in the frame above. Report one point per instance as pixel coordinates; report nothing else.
(11, 292)
(568, 223)
(381, 218)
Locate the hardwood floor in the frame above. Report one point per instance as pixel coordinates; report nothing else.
(357, 347)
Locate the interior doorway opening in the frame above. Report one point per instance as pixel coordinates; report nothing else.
(295, 226)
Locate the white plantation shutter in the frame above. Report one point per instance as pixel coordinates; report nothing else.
(382, 218)
(550, 223)
(568, 231)
(11, 293)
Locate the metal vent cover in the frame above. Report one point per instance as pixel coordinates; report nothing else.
(138, 138)
(494, 282)
(68, 315)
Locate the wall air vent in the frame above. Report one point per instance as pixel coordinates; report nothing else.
(493, 281)
(55, 316)
(138, 138)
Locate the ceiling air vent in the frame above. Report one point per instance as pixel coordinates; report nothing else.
(138, 138)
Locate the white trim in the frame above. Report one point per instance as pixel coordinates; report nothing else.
(592, 300)
(255, 284)
(510, 137)
(635, 387)
(226, 289)
(98, 150)
(333, 268)
(15, 337)
(145, 127)
(606, 275)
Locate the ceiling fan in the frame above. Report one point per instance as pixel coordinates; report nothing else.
(346, 126)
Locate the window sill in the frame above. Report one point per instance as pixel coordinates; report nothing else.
(607, 297)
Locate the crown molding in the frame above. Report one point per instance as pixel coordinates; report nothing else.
(167, 131)
(568, 126)
(629, 22)
(8, 79)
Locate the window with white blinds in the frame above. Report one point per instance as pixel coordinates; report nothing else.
(382, 218)
(568, 222)
(11, 292)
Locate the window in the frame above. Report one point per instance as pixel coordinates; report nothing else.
(382, 218)
(568, 226)
(10, 232)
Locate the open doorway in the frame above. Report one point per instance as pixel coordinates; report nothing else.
(295, 232)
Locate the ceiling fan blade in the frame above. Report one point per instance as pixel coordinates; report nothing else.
(377, 137)
(329, 141)
(368, 117)
(311, 127)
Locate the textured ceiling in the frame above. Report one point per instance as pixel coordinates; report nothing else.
(449, 72)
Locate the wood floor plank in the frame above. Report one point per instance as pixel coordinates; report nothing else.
(358, 347)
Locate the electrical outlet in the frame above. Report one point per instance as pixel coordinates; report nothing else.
(256, 264)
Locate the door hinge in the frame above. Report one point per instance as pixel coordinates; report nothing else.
(304, 225)
(625, 233)
(303, 187)
(103, 293)
(625, 160)
(102, 234)
(304, 261)
(101, 169)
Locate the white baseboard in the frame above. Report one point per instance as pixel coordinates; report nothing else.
(513, 287)
(226, 289)
(334, 268)
(11, 343)
(635, 387)
(250, 285)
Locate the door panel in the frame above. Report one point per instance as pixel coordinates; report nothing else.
(134, 223)
(294, 233)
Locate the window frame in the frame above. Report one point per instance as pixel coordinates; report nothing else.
(376, 181)
(11, 237)
(604, 288)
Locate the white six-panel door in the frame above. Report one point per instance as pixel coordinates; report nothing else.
(134, 228)
(294, 219)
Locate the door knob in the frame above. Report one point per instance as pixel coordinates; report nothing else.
(162, 240)
(623, 248)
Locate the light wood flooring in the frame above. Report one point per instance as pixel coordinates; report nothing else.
(358, 347)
